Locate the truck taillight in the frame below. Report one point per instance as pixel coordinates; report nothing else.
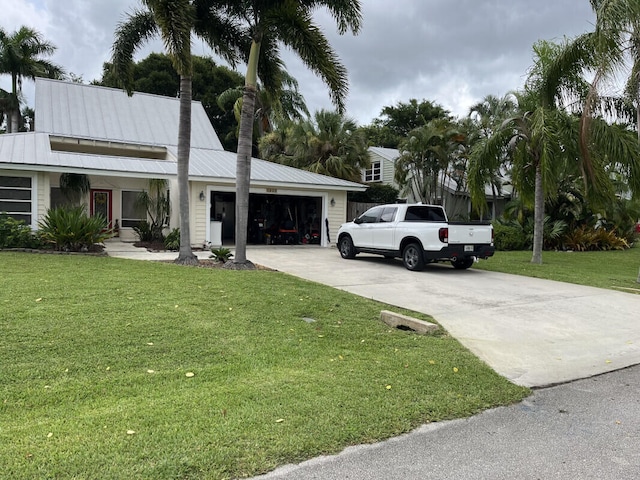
(443, 233)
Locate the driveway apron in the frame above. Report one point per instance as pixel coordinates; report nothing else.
(534, 332)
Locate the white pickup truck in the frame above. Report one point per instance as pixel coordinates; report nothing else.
(418, 234)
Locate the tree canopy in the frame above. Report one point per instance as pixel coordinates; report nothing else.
(397, 121)
(331, 144)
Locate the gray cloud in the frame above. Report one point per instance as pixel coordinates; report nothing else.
(453, 52)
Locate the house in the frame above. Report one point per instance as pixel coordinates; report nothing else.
(121, 142)
(455, 199)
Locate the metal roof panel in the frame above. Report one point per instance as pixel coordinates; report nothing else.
(90, 111)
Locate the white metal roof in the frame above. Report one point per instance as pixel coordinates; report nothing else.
(24, 148)
(387, 153)
(219, 164)
(33, 151)
(89, 111)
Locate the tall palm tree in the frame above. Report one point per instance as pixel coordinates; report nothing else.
(175, 21)
(269, 25)
(538, 138)
(21, 56)
(330, 145)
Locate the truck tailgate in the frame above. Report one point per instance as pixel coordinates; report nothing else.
(470, 233)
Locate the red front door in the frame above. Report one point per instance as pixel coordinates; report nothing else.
(101, 204)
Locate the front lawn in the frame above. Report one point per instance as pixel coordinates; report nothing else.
(118, 369)
(616, 269)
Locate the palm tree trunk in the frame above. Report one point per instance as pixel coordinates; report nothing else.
(185, 255)
(243, 173)
(243, 162)
(638, 116)
(538, 216)
(15, 109)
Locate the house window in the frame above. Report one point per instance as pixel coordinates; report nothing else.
(58, 199)
(132, 212)
(16, 197)
(373, 173)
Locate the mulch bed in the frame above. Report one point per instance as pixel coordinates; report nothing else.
(158, 246)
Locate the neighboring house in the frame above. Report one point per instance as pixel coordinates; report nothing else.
(456, 200)
(122, 141)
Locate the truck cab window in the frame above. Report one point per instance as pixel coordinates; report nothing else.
(388, 214)
(370, 216)
(423, 213)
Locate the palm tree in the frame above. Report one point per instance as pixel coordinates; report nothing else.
(175, 21)
(427, 158)
(540, 137)
(21, 56)
(269, 25)
(330, 145)
(486, 117)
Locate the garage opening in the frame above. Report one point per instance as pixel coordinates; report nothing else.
(273, 219)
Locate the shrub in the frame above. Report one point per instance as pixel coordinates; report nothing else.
(172, 241)
(156, 204)
(71, 229)
(510, 237)
(144, 231)
(588, 238)
(376, 193)
(16, 234)
(221, 254)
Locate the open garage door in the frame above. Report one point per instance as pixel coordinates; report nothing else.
(273, 219)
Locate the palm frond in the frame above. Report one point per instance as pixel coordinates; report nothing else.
(139, 27)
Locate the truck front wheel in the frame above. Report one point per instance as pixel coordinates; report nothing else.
(346, 247)
(412, 257)
(462, 263)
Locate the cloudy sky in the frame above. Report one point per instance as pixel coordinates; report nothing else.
(453, 52)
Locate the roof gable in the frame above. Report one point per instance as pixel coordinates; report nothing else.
(89, 111)
(390, 154)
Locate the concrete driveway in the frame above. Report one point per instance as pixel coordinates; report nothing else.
(534, 332)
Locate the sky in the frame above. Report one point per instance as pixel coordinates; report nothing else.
(451, 52)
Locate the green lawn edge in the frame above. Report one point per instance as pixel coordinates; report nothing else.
(616, 269)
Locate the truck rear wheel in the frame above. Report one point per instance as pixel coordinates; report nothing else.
(412, 257)
(346, 247)
(462, 263)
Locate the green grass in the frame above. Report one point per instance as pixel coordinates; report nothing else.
(94, 347)
(613, 269)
